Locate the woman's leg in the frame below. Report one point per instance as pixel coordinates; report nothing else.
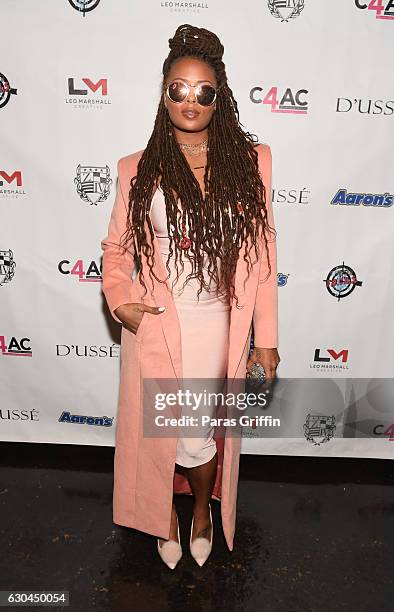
(173, 528)
(202, 480)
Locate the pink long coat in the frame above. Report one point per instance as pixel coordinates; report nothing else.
(144, 478)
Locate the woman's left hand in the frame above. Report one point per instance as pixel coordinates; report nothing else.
(267, 357)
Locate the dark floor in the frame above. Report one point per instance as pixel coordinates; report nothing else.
(312, 535)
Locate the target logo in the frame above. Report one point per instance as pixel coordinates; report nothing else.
(341, 281)
(84, 6)
(5, 90)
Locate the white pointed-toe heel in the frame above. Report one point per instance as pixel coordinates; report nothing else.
(171, 551)
(201, 548)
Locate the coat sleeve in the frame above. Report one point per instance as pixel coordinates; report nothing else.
(265, 314)
(117, 265)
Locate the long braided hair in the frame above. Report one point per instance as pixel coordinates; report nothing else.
(218, 225)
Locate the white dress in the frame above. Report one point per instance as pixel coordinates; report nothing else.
(204, 333)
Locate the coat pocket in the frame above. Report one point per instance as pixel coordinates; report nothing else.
(140, 327)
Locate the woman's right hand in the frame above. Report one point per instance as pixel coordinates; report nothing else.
(132, 314)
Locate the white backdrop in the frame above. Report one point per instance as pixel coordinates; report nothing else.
(80, 90)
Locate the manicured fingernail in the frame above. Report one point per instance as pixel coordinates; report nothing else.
(161, 308)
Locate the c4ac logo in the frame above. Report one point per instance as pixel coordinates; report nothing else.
(384, 9)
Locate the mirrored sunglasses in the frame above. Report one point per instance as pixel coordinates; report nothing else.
(178, 91)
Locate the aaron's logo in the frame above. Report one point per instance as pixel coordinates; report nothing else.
(286, 9)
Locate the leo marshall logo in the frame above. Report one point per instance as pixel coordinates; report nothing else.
(332, 360)
(290, 101)
(86, 273)
(365, 107)
(377, 200)
(101, 421)
(7, 266)
(291, 196)
(183, 7)
(11, 185)
(319, 428)
(84, 6)
(341, 281)
(84, 350)
(93, 183)
(87, 94)
(286, 9)
(18, 347)
(5, 90)
(384, 9)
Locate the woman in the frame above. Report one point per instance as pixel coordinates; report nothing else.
(193, 216)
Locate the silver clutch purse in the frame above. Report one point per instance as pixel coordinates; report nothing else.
(256, 373)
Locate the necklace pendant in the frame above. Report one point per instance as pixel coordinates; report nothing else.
(185, 242)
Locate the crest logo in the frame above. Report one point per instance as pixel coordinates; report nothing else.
(5, 90)
(319, 428)
(7, 266)
(84, 6)
(286, 9)
(341, 281)
(93, 183)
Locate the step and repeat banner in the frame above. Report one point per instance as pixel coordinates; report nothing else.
(79, 89)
